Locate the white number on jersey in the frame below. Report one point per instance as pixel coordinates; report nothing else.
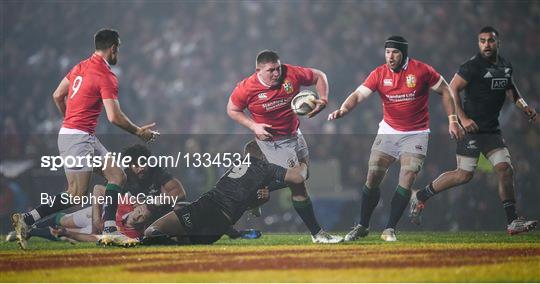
(238, 172)
(76, 85)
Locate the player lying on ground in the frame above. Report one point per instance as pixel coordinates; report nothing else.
(486, 80)
(206, 220)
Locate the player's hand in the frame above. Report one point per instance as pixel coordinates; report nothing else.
(456, 131)
(338, 114)
(319, 106)
(263, 194)
(469, 125)
(260, 131)
(531, 113)
(147, 134)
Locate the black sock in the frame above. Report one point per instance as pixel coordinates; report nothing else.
(42, 233)
(45, 210)
(305, 211)
(370, 199)
(510, 210)
(426, 193)
(109, 211)
(398, 205)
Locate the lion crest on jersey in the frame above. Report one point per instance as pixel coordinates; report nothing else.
(411, 81)
(287, 85)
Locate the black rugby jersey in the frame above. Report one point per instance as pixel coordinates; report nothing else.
(485, 92)
(237, 188)
(150, 185)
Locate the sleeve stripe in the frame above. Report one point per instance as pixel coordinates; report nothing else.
(436, 86)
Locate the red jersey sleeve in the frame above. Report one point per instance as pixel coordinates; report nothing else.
(69, 74)
(431, 76)
(108, 87)
(303, 75)
(372, 80)
(239, 97)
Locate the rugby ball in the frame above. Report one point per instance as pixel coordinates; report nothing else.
(303, 103)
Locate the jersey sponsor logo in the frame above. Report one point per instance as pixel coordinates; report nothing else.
(287, 85)
(388, 82)
(499, 83)
(488, 75)
(275, 104)
(262, 96)
(187, 219)
(402, 97)
(411, 81)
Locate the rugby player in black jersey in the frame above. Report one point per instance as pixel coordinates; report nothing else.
(205, 220)
(487, 81)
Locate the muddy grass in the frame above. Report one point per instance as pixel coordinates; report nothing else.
(304, 258)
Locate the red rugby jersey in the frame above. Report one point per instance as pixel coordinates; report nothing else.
(404, 94)
(121, 217)
(272, 105)
(90, 82)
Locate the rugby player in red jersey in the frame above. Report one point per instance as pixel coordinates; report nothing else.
(80, 96)
(403, 84)
(267, 95)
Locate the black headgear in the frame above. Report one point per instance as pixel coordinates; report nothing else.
(399, 43)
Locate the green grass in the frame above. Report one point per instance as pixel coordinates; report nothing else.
(405, 238)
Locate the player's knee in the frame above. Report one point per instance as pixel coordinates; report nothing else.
(504, 169)
(152, 231)
(464, 177)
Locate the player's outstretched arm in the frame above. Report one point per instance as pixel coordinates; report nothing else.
(356, 97)
(456, 86)
(60, 94)
(118, 118)
(321, 85)
(513, 93)
(449, 103)
(238, 115)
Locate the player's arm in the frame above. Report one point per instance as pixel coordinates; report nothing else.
(119, 118)
(513, 93)
(174, 188)
(60, 94)
(356, 97)
(321, 85)
(449, 104)
(97, 222)
(456, 86)
(238, 115)
(296, 174)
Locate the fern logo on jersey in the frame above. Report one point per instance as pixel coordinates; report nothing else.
(411, 81)
(287, 85)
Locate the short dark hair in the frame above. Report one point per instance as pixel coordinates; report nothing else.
(135, 152)
(105, 38)
(489, 29)
(267, 56)
(252, 148)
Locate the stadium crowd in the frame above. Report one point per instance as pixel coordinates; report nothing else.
(181, 60)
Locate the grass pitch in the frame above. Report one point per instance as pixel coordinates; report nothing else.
(416, 257)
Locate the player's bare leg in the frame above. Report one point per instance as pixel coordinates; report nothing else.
(77, 186)
(462, 175)
(500, 159)
(379, 163)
